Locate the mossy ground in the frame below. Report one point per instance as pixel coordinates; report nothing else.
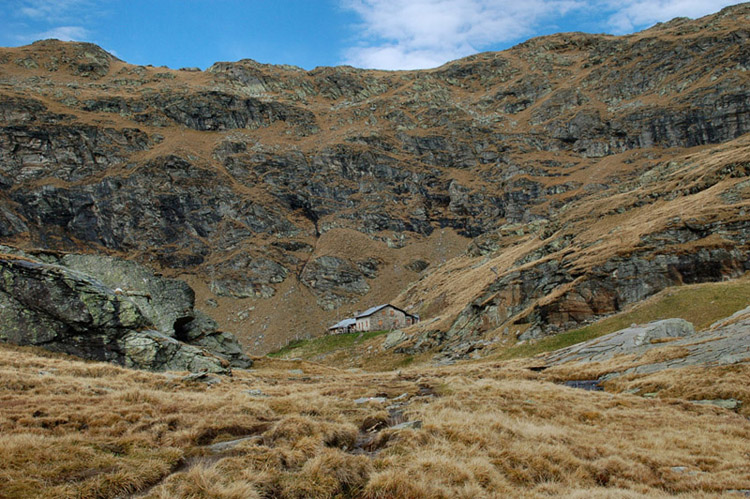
(307, 349)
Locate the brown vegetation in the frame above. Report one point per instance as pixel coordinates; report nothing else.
(79, 429)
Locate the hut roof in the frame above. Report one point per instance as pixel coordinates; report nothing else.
(344, 323)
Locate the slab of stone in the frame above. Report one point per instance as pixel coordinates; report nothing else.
(231, 444)
(370, 400)
(408, 425)
(585, 384)
(724, 345)
(731, 404)
(632, 340)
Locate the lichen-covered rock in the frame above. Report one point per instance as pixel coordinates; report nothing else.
(66, 310)
(68, 297)
(167, 303)
(158, 352)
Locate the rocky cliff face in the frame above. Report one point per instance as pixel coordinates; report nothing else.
(285, 193)
(103, 308)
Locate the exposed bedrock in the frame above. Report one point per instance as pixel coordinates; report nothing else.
(103, 308)
(575, 299)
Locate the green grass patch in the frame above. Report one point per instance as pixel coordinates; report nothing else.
(701, 304)
(317, 346)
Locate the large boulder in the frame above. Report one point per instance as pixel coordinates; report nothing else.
(165, 302)
(148, 325)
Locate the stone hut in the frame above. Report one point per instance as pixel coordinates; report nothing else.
(384, 317)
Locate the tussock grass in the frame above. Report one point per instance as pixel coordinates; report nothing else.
(692, 383)
(77, 429)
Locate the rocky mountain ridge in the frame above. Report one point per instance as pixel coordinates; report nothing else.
(581, 173)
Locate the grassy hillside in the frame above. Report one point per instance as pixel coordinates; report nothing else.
(306, 349)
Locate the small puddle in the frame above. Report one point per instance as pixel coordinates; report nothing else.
(585, 384)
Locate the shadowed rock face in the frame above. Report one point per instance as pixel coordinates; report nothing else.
(236, 174)
(144, 322)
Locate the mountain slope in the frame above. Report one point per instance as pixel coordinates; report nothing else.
(582, 172)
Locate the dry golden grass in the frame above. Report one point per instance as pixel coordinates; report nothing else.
(692, 383)
(81, 429)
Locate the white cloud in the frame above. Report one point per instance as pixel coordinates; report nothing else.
(64, 33)
(67, 20)
(51, 11)
(411, 34)
(632, 15)
(408, 34)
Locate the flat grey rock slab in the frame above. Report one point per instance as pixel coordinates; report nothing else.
(255, 392)
(370, 400)
(731, 404)
(408, 425)
(231, 444)
(627, 341)
(728, 344)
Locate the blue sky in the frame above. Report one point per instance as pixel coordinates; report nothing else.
(385, 34)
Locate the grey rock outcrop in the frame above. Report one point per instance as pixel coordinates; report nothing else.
(603, 290)
(103, 308)
(633, 340)
(244, 276)
(683, 347)
(205, 111)
(334, 281)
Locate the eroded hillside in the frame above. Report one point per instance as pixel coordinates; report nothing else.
(510, 194)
